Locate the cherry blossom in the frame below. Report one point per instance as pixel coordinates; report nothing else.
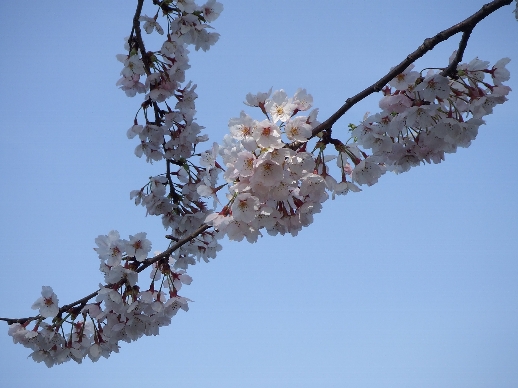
(279, 107)
(499, 73)
(133, 65)
(278, 174)
(298, 129)
(258, 100)
(151, 24)
(406, 79)
(267, 135)
(138, 246)
(245, 207)
(211, 10)
(302, 100)
(110, 248)
(47, 304)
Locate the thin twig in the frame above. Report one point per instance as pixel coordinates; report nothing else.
(451, 70)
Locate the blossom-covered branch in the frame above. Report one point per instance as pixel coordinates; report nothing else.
(80, 303)
(276, 180)
(121, 309)
(465, 26)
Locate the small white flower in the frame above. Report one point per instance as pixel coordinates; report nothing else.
(499, 72)
(267, 173)
(245, 207)
(302, 99)
(138, 246)
(151, 24)
(406, 79)
(280, 107)
(267, 135)
(48, 303)
(298, 129)
(433, 86)
(132, 65)
(110, 248)
(245, 163)
(367, 172)
(208, 158)
(258, 100)
(211, 10)
(179, 278)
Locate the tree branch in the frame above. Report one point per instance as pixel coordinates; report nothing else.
(451, 70)
(138, 36)
(465, 26)
(145, 264)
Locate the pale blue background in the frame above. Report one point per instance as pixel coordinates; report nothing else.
(411, 283)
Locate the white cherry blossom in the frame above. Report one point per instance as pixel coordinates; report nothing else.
(405, 79)
(267, 135)
(151, 24)
(279, 107)
(47, 304)
(367, 172)
(138, 246)
(258, 100)
(297, 129)
(211, 10)
(302, 100)
(271, 185)
(245, 207)
(267, 173)
(110, 248)
(432, 87)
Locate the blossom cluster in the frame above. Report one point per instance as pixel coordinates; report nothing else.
(276, 180)
(427, 115)
(170, 132)
(278, 188)
(121, 310)
(271, 186)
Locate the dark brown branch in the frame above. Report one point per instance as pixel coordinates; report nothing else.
(465, 26)
(168, 252)
(138, 36)
(451, 70)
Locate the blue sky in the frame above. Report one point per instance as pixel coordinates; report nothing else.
(411, 282)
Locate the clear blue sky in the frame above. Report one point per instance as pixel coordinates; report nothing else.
(410, 283)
